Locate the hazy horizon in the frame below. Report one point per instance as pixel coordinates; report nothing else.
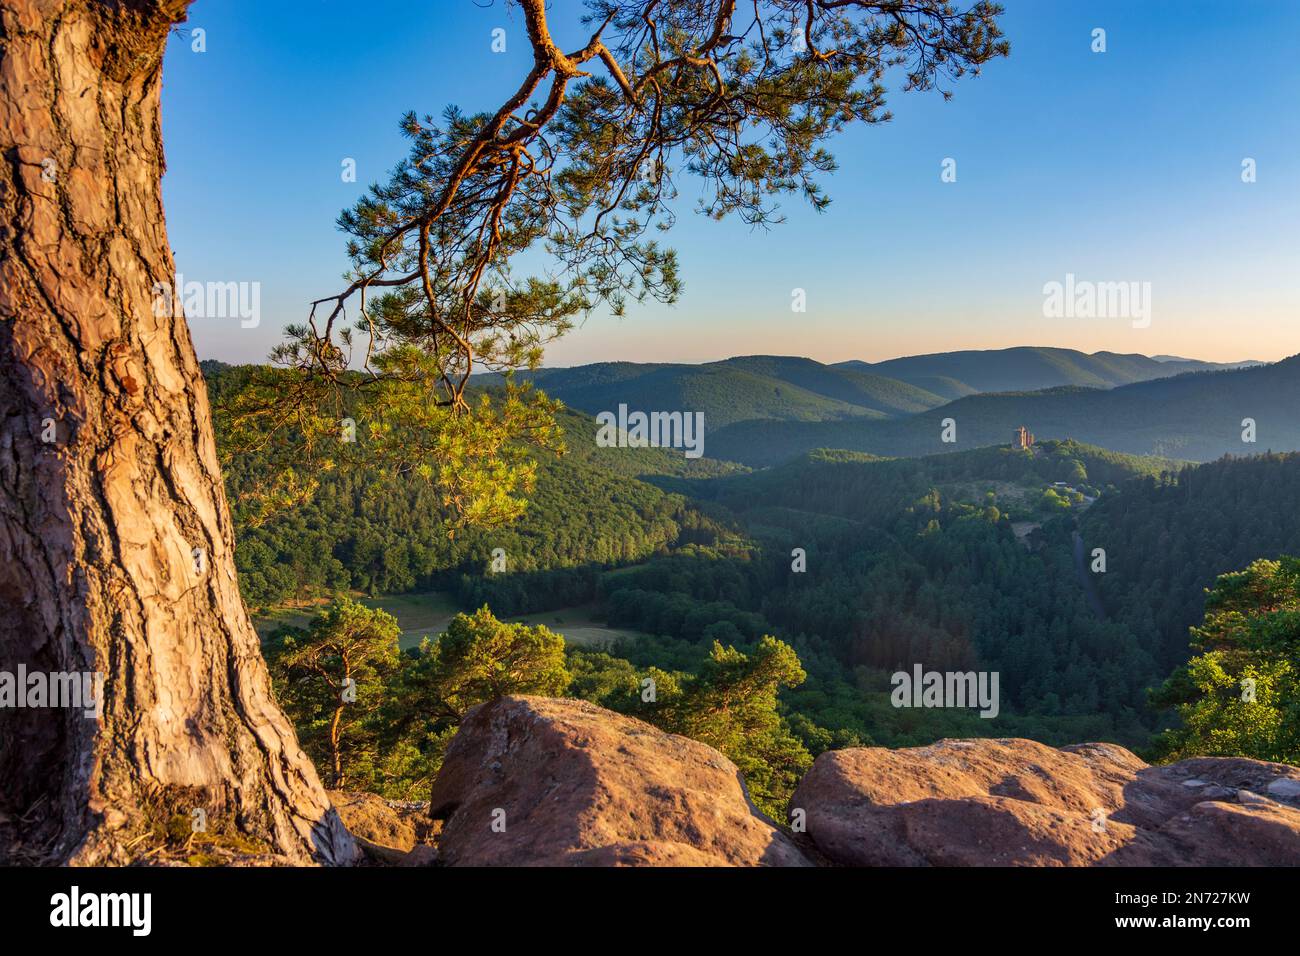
(887, 358)
(548, 363)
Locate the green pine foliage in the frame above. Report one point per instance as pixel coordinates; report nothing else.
(374, 719)
(1240, 695)
(331, 679)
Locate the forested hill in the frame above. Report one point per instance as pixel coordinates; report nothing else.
(1196, 416)
(860, 486)
(1168, 538)
(740, 389)
(1168, 530)
(1028, 369)
(958, 561)
(916, 560)
(388, 535)
(784, 388)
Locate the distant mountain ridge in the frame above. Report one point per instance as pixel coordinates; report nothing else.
(777, 388)
(1028, 368)
(1194, 416)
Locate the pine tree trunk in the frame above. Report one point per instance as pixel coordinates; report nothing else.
(98, 528)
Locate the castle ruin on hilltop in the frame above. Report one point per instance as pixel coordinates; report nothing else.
(1022, 438)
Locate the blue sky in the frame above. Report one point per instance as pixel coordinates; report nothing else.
(1115, 166)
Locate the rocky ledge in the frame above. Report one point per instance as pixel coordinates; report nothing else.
(1020, 803)
(533, 781)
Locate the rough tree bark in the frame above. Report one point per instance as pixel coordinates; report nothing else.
(98, 528)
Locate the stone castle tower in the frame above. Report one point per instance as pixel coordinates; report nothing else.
(1022, 438)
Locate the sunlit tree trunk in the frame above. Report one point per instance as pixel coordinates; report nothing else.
(116, 547)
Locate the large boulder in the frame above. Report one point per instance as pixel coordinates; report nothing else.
(1018, 802)
(534, 781)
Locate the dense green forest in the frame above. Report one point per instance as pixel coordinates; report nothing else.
(1168, 538)
(382, 535)
(915, 561)
(862, 487)
(912, 560)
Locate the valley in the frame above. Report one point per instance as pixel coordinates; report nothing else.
(643, 560)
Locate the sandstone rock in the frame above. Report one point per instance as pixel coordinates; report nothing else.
(420, 856)
(574, 784)
(1284, 788)
(1245, 796)
(1017, 802)
(1230, 834)
(383, 833)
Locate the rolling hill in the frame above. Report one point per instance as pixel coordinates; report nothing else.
(725, 394)
(1028, 369)
(860, 486)
(1194, 416)
(857, 387)
(778, 388)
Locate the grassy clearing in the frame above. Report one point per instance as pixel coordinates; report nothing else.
(580, 627)
(427, 614)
